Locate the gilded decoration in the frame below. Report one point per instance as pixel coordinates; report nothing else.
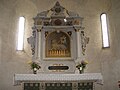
(58, 45)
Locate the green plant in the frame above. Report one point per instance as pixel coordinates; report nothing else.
(34, 65)
(81, 66)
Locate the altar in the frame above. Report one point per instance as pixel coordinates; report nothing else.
(58, 81)
(58, 45)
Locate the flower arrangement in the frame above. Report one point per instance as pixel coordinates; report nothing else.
(81, 66)
(34, 66)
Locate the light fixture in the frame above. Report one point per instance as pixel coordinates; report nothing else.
(21, 33)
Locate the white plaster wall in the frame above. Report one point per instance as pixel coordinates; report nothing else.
(111, 66)
(105, 61)
(12, 61)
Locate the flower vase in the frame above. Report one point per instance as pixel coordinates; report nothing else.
(35, 71)
(81, 71)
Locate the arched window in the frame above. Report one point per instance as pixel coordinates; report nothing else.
(104, 30)
(21, 33)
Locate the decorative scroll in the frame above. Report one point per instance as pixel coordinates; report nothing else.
(58, 16)
(31, 41)
(70, 33)
(84, 42)
(46, 33)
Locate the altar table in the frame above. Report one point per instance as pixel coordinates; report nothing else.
(84, 81)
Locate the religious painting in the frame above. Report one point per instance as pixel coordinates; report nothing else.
(58, 44)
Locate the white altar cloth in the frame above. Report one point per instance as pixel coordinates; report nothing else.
(94, 77)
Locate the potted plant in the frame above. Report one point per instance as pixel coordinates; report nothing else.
(34, 66)
(81, 66)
